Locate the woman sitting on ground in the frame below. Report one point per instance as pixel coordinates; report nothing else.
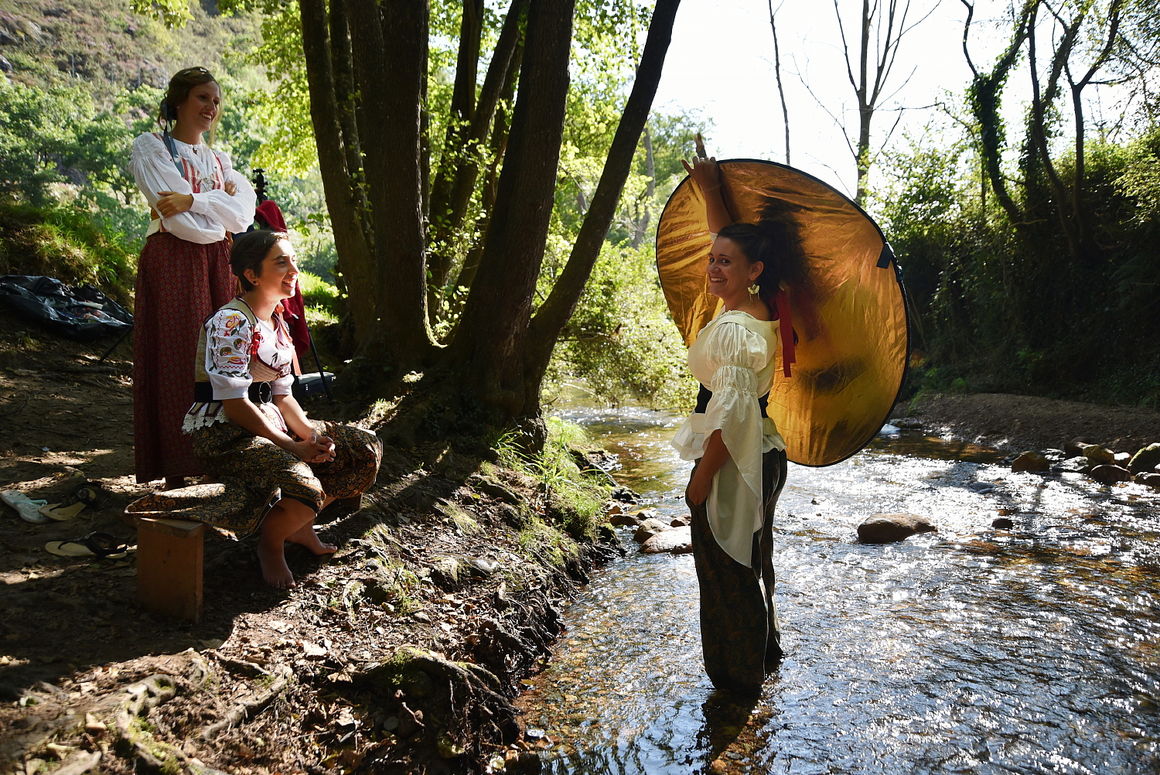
(248, 429)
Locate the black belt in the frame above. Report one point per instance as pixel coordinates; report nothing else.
(705, 394)
(259, 392)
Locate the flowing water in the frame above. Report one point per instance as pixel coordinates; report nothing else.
(974, 650)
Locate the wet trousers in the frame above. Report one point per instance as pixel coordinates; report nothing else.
(740, 634)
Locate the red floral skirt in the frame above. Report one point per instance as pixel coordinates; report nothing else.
(179, 285)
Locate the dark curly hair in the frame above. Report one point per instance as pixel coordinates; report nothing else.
(775, 240)
(249, 250)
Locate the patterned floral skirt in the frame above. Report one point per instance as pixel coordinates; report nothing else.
(253, 473)
(179, 285)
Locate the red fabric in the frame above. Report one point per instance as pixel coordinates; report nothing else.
(271, 215)
(295, 318)
(179, 285)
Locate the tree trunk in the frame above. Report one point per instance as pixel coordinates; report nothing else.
(865, 108)
(487, 353)
(460, 164)
(390, 47)
(777, 74)
(558, 308)
(354, 253)
(643, 220)
(496, 148)
(455, 150)
(985, 97)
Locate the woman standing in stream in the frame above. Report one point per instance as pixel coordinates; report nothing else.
(740, 456)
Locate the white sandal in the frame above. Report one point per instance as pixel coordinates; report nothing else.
(27, 508)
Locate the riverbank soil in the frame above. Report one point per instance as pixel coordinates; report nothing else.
(1020, 423)
(399, 654)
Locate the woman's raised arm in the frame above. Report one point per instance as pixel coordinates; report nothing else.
(707, 175)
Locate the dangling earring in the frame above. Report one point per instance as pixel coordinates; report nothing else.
(754, 289)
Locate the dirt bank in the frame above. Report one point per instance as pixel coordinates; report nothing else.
(1016, 423)
(399, 654)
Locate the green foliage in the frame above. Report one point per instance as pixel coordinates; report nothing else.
(66, 243)
(999, 306)
(575, 498)
(620, 341)
(46, 135)
(321, 298)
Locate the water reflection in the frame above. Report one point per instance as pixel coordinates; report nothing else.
(1033, 649)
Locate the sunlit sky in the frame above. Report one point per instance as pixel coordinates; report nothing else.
(721, 63)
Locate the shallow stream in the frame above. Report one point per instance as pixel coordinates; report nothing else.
(970, 650)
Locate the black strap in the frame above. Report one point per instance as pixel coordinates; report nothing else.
(704, 395)
(259, 392)
(172, 147)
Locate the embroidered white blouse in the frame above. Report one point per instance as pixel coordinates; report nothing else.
(733, 356)
(214, 212)
(231, 369)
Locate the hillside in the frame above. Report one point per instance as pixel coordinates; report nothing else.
(104, 45)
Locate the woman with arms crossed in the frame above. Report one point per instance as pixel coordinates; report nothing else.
(183, 274)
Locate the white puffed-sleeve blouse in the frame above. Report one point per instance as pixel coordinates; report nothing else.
(214, 212)
(733, 356)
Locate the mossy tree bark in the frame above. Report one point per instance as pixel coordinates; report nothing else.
(367, 65)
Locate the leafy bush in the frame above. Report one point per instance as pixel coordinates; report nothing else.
(1003, 306)
(67, 243)
(621, 341)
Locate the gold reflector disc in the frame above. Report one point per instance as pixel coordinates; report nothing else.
(852, 354)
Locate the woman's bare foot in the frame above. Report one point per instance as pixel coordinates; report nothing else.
(274, 568)
(305, 536)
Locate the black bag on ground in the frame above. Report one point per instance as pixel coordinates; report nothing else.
(82, 313)
(312, 386)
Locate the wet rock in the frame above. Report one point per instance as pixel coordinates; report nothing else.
(648, 529)
(981, 487)
(1110, 474)
(484, 565)
(1003, 523)
(1122, 459)
(599, 459)
(1034, 462)
(1075, 447)
(5, 65)
(1074, 465)
(614, 509)
(889, 528)
(678, 540)
(1099, 455)
(522, 763)
(906, 423)
(680, 522)
(625, 495)
(624, 520)
(447, 573)
(1151, 480)
(1146, 459)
